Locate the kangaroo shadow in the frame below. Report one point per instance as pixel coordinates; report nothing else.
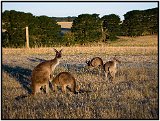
(36, 60)
(79, 68)
(21, 75)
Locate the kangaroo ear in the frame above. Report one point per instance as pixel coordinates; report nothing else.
(60, 50)
(114, 57)
(88, 62)
(55, 50)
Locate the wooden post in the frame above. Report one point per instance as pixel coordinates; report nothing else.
(102, 31)
(102, 26)
(27, 38)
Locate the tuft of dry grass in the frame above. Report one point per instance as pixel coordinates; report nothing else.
(134, 94)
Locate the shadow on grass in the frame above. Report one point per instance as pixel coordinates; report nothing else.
(21, 75)
(36, 60)
(78, 68)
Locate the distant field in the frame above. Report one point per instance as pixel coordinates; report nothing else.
(133, 95)
(137, 41)
(67, 25)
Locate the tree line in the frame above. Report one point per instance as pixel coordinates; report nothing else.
(137, 23)
(86, 28)
(64, 19)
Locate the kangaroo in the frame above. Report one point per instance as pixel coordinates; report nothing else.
(42, 73)
(65, 79)
(95, 62)
(110, 68)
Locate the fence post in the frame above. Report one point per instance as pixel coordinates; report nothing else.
(27, 37)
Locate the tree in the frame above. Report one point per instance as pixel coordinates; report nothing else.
(139, 23)
(14, 23)
(111, 25)
(87, 28)
(43, 30)
(68, 39)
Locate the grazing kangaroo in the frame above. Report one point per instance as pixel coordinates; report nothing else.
(65, 79)
(110, 68)
(95, 62)
(42, 73)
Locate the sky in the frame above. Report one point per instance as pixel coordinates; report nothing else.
(65, 9)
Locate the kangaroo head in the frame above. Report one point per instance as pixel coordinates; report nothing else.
(88, 63)
(58, 53)
(115, 59)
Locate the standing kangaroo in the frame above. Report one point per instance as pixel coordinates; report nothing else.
(42, 73)
(110, 68)
(65, 79)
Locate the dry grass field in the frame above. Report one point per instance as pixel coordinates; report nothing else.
(65, 24)
(133, 95)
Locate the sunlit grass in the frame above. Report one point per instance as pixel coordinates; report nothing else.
(124, 46)
(86, 50)
(142, 41)
(133, 95)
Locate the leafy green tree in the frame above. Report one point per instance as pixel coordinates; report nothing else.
(14, 24)
(43, 30)
(87, 28)
(68, 39)
(64, 19)
(139, 23)
(111, 25)
(150, 18)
